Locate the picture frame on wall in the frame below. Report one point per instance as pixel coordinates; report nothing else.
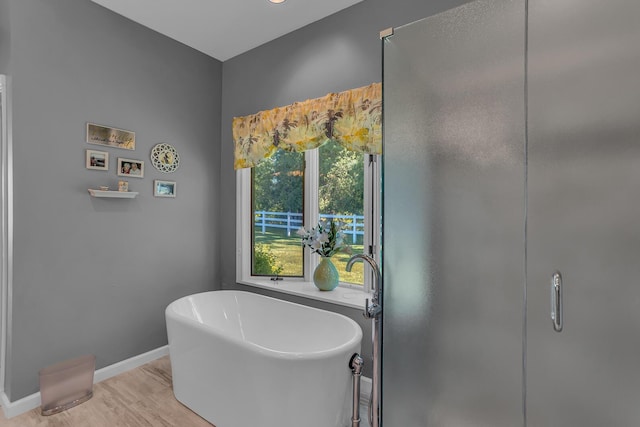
(164, 188)
(110, 136)
(130, 167)
(97, 160)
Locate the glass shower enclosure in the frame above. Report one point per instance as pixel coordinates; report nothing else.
(512, 154)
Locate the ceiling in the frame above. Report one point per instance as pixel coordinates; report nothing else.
(223, 29)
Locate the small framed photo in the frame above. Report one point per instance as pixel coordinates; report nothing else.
(97, 160)
(130, 167)
(164, 188)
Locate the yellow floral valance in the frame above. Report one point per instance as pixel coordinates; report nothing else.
(352, 118)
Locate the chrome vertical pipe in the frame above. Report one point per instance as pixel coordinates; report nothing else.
(356, 363)
(373, 311)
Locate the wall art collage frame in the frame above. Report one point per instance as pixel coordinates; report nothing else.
(166, 162)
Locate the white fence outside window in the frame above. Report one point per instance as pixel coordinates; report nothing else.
(291, 221)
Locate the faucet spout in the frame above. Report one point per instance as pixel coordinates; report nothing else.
(374, 267)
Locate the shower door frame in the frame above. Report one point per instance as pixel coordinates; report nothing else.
(569, 187)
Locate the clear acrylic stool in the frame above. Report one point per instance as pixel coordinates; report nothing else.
(66, 384)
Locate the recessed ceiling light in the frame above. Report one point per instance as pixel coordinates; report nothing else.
(277, 1)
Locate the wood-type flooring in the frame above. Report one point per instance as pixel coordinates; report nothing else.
(141, 397)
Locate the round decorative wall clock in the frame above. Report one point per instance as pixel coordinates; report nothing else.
(164, 157)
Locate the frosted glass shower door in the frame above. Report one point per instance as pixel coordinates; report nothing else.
(453, 244)
(584, 212)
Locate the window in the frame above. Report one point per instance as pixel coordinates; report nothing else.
(341, 197)
(291, 189)
(277, 195)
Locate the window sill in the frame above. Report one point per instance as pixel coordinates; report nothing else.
(346, 295)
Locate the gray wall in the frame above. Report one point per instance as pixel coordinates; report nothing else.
(340, 52)
(95, 275)
(4, 36)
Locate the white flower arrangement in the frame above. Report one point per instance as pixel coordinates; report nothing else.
(325, 240)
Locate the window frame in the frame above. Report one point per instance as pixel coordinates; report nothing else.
(372, 175)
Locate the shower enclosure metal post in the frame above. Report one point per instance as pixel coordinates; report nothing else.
(376, 387)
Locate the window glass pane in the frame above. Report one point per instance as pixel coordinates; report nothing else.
(341, 188)
(277, 189)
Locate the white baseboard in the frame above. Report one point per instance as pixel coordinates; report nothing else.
(12, 409)
(129, 364)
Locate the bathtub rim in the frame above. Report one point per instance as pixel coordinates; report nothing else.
(355, 340)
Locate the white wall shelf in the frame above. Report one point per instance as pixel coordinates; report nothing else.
(113, 194)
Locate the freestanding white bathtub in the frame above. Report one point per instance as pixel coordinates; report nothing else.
(245, 360)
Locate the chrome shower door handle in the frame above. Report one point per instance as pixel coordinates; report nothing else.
(556, 302)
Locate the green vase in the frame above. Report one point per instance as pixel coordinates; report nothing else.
(326, 276)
